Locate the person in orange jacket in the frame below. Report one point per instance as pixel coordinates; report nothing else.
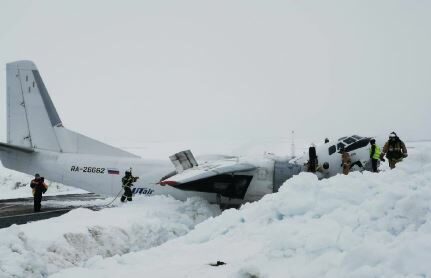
(39, 187)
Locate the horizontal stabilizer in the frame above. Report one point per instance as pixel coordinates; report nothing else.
(4, 146)
(208, 170)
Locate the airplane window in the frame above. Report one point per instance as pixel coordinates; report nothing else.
(342, 138)
(349, 140)
(332, 149)
(359, 144)
(340, 145)
(357, 137)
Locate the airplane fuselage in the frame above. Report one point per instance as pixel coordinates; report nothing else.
(102, 174)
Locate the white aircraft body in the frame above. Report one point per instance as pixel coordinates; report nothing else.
(37, 142)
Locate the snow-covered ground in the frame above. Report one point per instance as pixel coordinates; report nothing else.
(83, 236)
(361, 225)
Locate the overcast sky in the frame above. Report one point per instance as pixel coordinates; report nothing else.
(130, 71)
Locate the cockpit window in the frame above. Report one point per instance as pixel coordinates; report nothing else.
(357, 137)
(332, 149)
(349, 140)
(359, 144)
(340, 145)
(342, 138)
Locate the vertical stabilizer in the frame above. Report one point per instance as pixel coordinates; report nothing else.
(31, 115)
(33, 121)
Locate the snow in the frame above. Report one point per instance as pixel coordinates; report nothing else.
(360, 225)
(82, 236)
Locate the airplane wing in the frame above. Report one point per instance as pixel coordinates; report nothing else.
(207, 170)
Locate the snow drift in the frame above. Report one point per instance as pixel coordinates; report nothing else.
(361, 225)
(44, 247)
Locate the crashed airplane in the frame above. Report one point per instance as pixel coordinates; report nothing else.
(38, 142)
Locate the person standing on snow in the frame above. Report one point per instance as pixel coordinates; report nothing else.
(128, 181)
(312, 159)
(395, 150)
(345, 161)
(374, 155)
(39, 187)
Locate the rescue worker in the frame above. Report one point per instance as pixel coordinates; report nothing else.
(395, 150)
(128, 181)
(39, 187)
(312, 159)
(374, 155)
(345, 161)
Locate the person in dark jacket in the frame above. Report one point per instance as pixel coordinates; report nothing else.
(312, 159)
(395, 150)
(374, 155)
(39, 187)
(128, 181)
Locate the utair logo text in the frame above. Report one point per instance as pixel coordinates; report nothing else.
(142, 191)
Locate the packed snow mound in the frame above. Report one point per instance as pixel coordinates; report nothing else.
(14, 184)
(80, 236)
(360, 225)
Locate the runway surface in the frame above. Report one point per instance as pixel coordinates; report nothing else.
(20, 210)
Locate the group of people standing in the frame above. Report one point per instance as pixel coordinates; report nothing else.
(394, 150)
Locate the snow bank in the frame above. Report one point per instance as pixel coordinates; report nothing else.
(82, 236)
(361, 225)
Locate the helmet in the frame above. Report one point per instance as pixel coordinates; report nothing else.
(392, 135)
(37, 175)
(373, 141)
(127, 173)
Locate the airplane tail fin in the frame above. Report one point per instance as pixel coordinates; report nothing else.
(33, 121)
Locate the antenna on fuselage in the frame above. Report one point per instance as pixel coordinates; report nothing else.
(293, 144)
